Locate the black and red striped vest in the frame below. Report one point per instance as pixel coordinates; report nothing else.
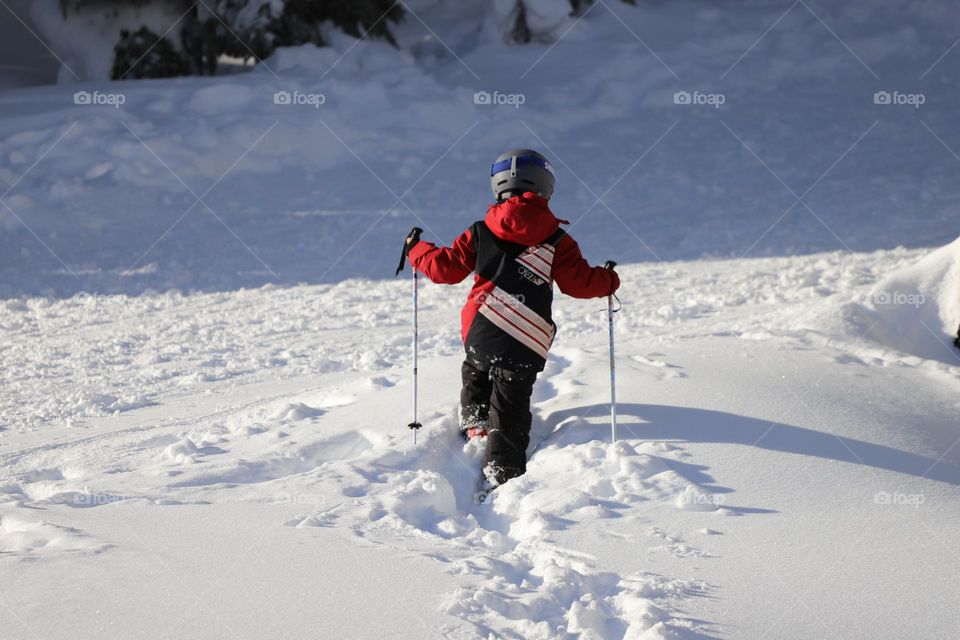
(513, 325)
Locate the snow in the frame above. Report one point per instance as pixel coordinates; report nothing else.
(206, 361)
(913, 308)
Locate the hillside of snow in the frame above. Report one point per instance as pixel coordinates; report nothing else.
(206, 360)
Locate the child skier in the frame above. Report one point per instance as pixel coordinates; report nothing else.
(516, 252)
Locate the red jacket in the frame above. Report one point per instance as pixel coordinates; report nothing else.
(525, 220)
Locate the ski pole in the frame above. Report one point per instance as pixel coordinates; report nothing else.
(415, 425)
(610, 264)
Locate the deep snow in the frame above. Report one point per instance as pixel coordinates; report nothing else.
(205, 362)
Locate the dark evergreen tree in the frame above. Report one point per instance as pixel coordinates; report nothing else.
(237, 28)
(144, 54)
(245, 29)
(201, 45)
(369, 18)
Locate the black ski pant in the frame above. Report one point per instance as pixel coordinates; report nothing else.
(500, 399)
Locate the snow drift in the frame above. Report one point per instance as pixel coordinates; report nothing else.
(916, 310)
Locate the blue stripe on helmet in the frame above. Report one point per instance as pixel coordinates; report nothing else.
(497, 167)
(503, 165)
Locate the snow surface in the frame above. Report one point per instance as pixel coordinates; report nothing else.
(205, 361)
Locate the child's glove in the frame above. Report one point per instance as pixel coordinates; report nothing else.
(609, 265)
(412, 239)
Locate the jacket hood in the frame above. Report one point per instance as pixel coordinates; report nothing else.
(525, 219)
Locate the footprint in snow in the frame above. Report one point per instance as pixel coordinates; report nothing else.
(381, 382)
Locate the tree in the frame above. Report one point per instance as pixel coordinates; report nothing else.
(144, 54)
(245, 29)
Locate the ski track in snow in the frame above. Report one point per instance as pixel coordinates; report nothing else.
(522, 583)
(525, 585)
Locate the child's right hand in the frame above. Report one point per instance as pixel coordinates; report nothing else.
(412, 238)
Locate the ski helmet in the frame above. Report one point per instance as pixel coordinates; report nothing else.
(520, 170)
